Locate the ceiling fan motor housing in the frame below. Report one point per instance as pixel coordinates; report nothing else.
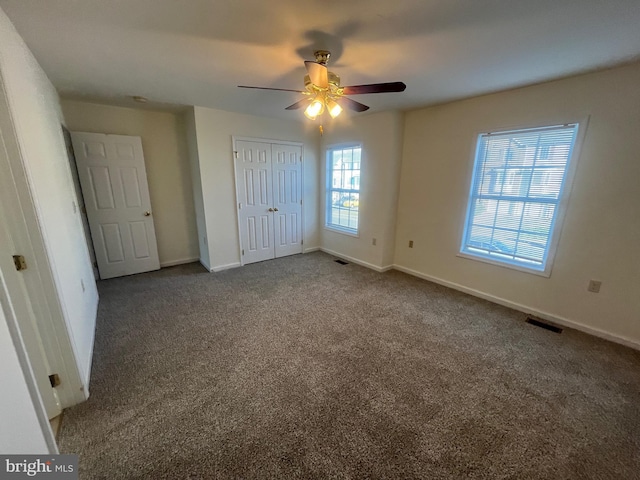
(322, 56)
(333, 87)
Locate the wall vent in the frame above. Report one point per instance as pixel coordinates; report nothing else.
(342, 262)
(542, 324)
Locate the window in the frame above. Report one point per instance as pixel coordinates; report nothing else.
(518, 182)
(343, 188)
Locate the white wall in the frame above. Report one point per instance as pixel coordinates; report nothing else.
(189, 122)
(55, 228)
(214, 131)
(381, 138)
(167, 164)
(601, 234)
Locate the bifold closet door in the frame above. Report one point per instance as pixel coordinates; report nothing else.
(269, 193)
(287, 198)
(255, 200)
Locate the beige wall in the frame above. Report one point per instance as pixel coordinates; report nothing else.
(601, 234)
(167, 163)
(214, 131)
(381, 138)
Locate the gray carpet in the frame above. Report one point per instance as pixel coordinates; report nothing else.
(304, 368)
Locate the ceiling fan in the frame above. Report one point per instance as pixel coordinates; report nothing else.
(323, 91)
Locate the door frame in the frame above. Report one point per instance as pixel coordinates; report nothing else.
(39, 291)
(8, 315)
(234, 140)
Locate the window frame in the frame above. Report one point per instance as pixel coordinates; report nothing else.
(562, 204)
(329, 188)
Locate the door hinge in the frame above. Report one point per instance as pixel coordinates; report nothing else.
(235, 153)
(239, 206)
(301, 242)
(243, 251)
(54, 380)
(19, 262)
(300, 202)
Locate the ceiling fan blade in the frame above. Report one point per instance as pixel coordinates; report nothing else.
(389, 87)
(298, 104)
(268, 88)
(317, 74)
(352, 104)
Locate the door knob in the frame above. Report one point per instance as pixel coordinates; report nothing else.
(270, 210)
(147, 213)
(275, 209)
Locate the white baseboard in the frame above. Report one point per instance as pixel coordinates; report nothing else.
(173, 263)
(357, 261)
(311, 249)
(220, 268)
(565, 322)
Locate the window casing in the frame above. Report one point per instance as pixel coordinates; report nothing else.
(343, 188)
(518, 184)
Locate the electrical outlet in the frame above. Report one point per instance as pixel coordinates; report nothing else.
(410, 243)
(594, 286)
(373, 242)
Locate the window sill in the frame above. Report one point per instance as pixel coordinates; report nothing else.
(344, 231)
(541, 273)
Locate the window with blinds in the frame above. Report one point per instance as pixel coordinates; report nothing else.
(343, 188)
(517, 184)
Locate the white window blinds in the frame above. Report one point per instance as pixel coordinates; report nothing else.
(517, 185)
(343, 189)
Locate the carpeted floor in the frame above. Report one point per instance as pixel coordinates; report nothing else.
(304, 368)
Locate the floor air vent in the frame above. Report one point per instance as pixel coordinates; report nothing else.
(542, 324)
(342, 262)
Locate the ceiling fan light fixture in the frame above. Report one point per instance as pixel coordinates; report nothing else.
(315, 108)
(333, 108)
(322, 90)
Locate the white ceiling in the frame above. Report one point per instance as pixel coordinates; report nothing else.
(195, 52)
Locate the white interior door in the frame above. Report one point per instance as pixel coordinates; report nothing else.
(287, 199)
(269, 192)
(253, 187)
(83, 211)
(116, 194)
